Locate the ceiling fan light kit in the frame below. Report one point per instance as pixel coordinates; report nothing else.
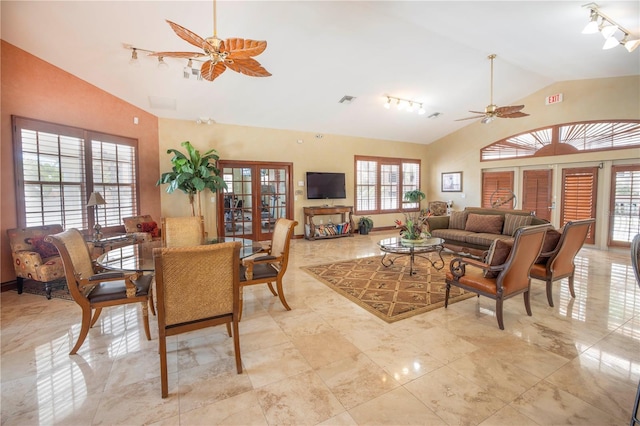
(492, 111)
(608, 28)
(217, 55)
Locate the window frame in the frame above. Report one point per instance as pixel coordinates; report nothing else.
(381, 163)
(111, 214)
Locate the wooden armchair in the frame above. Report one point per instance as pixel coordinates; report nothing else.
(512, 274)
(182, 231)
(271, 267)
(33, 257)
(559, 262)
(94, 290)
(197, 287)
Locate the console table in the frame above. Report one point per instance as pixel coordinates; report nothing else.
(313, 231)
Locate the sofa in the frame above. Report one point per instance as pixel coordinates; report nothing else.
(472, 230)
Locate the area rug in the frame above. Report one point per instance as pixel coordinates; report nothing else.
(390, 293)
(59, 289)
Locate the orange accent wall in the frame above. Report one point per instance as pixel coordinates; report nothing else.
(36, 89)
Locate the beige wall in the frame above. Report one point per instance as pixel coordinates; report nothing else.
(329, 154)
(36, 89)
(601, 99)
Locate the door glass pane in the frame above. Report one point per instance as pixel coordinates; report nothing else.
(238, 215)
(625, 211)
(273, 197)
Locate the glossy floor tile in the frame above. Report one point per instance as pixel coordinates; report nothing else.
(329, 362)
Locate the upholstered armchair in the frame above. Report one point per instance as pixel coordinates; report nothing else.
(34, 258)
(92, 289)
(269, 268)
(438, 208)
(557, 259)
(197, 287)
(505, 272)
(143, 228)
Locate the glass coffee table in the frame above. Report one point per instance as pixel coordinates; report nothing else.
(399, 247)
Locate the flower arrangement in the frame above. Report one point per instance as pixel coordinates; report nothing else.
(415, 226)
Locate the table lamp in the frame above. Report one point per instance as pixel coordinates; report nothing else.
(95, 200)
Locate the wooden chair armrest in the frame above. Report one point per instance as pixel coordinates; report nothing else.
(86, 284)
(458, 265)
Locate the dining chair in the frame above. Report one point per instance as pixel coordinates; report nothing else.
(559, 263)
(512, 275)
(182, 231)
(266, 269)
(197, 287)
(92, 289)
(635, 262)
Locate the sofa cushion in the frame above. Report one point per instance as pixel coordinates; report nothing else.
(458, 220)
(551, 239)
(497, 255)
(484, 239)
(485, 223)
(513, 222)
(451, 234)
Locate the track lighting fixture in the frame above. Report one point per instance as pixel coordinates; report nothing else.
(608, 28)
(406, 104)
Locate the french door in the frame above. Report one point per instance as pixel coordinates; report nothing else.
(624, 208)
(536, 192)
(579, 195)
(258, 193)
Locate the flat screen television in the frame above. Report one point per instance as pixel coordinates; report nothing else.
(325, 185)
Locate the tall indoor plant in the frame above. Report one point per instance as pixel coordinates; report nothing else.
(193, 173)
(415, 227)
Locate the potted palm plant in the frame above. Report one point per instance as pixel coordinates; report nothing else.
(415, 227)
(365, 224)
(193, 173)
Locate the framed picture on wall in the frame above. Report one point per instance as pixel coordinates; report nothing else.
(452, 182)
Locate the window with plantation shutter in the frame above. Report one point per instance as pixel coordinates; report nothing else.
(624, 205)
(58, 166)
(496, 184)
(382, 182)
(536, 192)
(579, 191)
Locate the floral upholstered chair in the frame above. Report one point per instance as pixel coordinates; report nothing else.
(143, 228)
(33, 258)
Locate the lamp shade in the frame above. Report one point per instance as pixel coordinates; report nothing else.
(95, 199)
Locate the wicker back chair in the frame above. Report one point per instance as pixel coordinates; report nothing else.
(270, 268)
(182, 231)
(92, 290)
(560, 263)
(197, 287)
(513, 274)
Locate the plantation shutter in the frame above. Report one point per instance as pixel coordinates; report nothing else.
(536, 192)
(579, 188)
(624, 207)
(494, 181)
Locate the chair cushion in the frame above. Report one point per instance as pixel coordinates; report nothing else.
(497, 255)
(515, 221)
(474, 278)
(114, 290)
(260, 271)
(458, 220)
(551, 239)
(485, 223)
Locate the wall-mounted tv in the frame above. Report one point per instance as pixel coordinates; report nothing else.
(325, 185)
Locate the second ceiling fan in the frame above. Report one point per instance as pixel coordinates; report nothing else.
(492, 111)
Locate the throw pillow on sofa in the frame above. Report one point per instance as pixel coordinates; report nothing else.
(497, 255)
(44, 248)
(458, 220)
(484, 223)
(515, 221)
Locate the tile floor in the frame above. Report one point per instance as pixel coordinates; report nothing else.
(329, 362)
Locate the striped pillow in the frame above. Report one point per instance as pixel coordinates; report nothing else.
(515, 221)
(458, 220)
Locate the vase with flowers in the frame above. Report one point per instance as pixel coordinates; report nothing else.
(415, 227)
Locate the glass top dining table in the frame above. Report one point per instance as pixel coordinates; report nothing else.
(139, 257)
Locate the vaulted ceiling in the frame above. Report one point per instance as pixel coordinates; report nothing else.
(432, 52)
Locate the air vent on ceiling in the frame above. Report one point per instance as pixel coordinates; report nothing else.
(346, 99)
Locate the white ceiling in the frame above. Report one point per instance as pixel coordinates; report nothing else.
(433, 52)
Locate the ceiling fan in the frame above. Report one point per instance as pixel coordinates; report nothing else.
(492, 111)
(233, 53)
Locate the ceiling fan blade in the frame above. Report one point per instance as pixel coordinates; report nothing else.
(469, 118)
(209, 71)
(189, 36)
(248, 66)
(509, 109)
(177, 54)
(478, 112)
(240, 48)
(516, 114)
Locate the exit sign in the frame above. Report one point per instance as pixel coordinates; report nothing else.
(553, 99)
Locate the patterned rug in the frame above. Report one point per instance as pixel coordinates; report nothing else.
(390, 293)
(59, 289)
